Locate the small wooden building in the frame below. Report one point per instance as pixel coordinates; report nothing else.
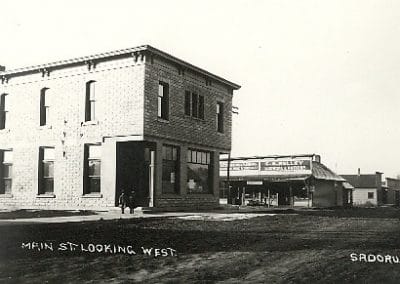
(368, 189)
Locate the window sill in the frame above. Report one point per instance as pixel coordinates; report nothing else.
(46, 195)
(167, 195)
(220, 133)
(6, 195)
(91, 122)
(92, 195)
(41, 127)
(162, 120)
(198, 194)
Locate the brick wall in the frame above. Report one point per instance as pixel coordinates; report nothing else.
(179, 126)
(119, 110)
(186, 131)
(126, 108)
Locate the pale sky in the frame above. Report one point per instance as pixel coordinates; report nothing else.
(317, 76)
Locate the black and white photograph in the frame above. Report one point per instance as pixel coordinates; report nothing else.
(199, 141)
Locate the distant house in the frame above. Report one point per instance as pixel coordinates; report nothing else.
(367, 188)
(391, 193)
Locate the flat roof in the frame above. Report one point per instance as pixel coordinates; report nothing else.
(269, 157)
(318, 170)
(105, 55)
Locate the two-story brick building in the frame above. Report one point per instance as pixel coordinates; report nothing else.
(74, 133)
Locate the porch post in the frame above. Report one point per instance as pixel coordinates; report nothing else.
(157, 189)
(151, 179)
(109, 171)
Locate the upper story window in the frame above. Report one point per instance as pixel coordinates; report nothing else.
(220, 117)
(6, 162)
(163, 101)
(90, 102)
(194, 105)
(92, 169)
(45, 106)
(4, 111)
(46, 170)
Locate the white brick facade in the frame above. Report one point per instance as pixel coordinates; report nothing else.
(126, 104)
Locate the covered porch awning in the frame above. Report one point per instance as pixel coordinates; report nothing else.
(318, 171)
(347, 185)
(281, 178)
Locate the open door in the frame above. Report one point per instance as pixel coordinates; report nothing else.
(135, 171)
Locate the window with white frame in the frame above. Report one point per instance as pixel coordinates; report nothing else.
(163, 101)
(6, 159)
(90, 101)
(4, 111)
(46, 170)
(194, 105)
(220, 117)
(92, 169)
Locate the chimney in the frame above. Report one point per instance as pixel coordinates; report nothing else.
(2, 68)
(359, 171)
(317, 158)
(379, 179)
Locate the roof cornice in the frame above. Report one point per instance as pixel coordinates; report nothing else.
(104, 56)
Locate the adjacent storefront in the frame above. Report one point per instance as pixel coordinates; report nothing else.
(281, 180)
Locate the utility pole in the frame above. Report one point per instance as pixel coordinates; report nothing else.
(229, 201)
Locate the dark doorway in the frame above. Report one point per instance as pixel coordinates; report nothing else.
(284, 197)
(347, 197)
(384, 196)
(133, 170)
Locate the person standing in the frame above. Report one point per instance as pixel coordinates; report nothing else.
(131, 201)
(123, 201)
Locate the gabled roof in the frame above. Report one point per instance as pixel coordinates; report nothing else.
(116, 53)
(362, 181)
(347, 185)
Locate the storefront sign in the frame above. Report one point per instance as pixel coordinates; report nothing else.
(254, 182)
(274, 167)
(285, 166)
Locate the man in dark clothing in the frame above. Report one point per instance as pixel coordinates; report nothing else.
(131, 201)
(123, 201)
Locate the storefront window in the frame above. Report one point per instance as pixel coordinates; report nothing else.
(170, 169)
(199, 174)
